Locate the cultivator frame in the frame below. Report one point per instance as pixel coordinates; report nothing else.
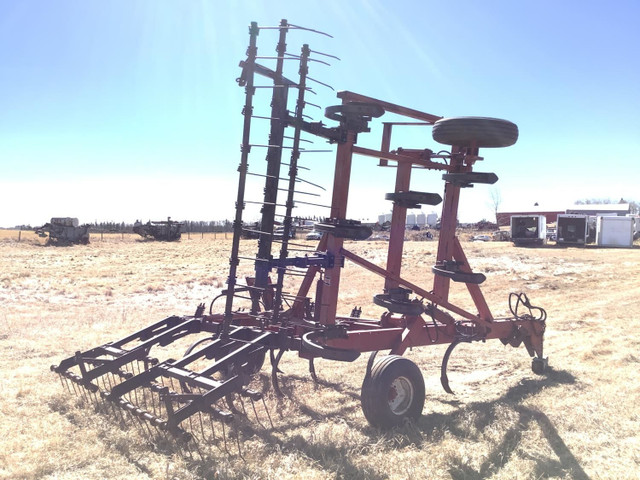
(231, 344)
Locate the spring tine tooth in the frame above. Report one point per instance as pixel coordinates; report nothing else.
(153, 403)
(147, 428)
(61, 377)
(144, 400)
(135, 394)
(73, 385)
(213, 430)
(87, 395)
(140, 422)
(237, 435)
(177, 442)
(266, 409)
(107, 378)
(78, 390)
(204, 435)
(118, 413)
(65, 382)
(187, 448)
(196, 447)
(244, 411)
(95, 400)
(255, 412)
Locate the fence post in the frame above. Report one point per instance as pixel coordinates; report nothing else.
(19, 235)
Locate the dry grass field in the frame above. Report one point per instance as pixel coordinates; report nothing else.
(580, 420)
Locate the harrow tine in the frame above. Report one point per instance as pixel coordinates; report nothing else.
(62, 381)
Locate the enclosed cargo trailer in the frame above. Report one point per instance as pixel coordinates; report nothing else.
(572, 229)
(614, 231)
(528, 230)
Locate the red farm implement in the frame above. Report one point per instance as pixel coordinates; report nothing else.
(186, 397)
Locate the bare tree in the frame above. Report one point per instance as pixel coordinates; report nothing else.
(495, 200)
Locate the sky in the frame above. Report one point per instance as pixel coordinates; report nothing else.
(129, 109)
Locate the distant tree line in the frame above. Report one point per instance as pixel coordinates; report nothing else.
(188, 226)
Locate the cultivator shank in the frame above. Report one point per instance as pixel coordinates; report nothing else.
(185, 397)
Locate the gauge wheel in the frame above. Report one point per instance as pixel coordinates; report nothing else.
(393, 392)
(481, 132)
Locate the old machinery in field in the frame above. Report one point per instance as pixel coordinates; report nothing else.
(64, 231)
(166, 230)
(257, 316)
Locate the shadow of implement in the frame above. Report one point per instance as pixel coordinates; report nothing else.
(500, 454)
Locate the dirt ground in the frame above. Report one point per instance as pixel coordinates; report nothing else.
(579, 420)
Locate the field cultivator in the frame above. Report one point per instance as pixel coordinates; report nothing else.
(197, 395)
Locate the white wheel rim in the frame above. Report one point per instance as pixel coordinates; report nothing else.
(400, 395)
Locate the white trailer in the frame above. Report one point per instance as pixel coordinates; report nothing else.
(572, 229)
(614, 231)
(528, 230)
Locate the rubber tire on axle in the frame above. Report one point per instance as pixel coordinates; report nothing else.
(393, 392)
(485, 132)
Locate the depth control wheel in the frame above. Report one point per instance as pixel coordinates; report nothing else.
(478, 131)
(394, 391)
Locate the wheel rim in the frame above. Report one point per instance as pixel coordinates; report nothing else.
(400, 395)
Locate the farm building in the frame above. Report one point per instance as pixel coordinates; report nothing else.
(610, 209)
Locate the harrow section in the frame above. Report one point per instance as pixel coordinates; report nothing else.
(186, 397)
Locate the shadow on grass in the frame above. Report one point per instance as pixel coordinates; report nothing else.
(339, 460)
(485, 415)
(429, 429)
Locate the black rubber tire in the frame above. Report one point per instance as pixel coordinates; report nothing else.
(538, 366)
(485, 132)
(393, 392)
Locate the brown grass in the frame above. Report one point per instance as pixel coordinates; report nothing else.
(504, 422)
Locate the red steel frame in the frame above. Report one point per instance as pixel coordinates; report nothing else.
(392, 332)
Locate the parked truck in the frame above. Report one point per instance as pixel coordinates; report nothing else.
(528, 230)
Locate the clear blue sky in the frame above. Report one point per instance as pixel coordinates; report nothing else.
(126, 109)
